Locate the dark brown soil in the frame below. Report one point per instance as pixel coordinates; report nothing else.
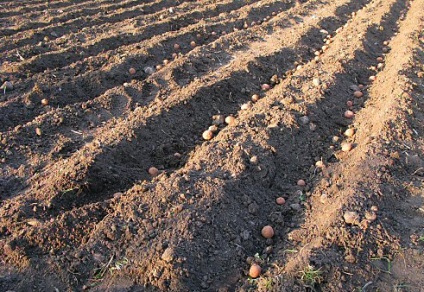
(79, 209)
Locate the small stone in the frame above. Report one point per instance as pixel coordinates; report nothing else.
(149, 70)
(274, 79)
(168, 255)
(246, 106)
(349, 132)
(370, 216)
(295, 207)
(319, 164)
(269, 249)
(213, 128)
(304, 120)
(253, 208)
(254, 160)
(230, 120)
(351, 217)
(346, 147)
(364, 224)
(245, 235)
(218, 120)
(316, 82)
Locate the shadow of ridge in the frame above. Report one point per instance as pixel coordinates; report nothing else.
(10, 185)
(258, 13)
(346, 10)
(28, 279)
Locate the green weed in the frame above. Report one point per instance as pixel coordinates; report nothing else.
(311, 276)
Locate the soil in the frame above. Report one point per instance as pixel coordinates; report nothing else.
(80, 210)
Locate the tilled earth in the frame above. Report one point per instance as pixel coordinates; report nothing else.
(108, 183)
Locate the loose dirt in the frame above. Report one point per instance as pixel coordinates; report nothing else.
(96, 93)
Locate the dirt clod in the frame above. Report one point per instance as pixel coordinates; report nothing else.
(351, 217)
(168, 255)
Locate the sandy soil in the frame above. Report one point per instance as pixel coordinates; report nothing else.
(107, 182)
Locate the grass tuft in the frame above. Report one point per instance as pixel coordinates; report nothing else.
(311, 276)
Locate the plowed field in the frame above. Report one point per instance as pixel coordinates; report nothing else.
(144, 144)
